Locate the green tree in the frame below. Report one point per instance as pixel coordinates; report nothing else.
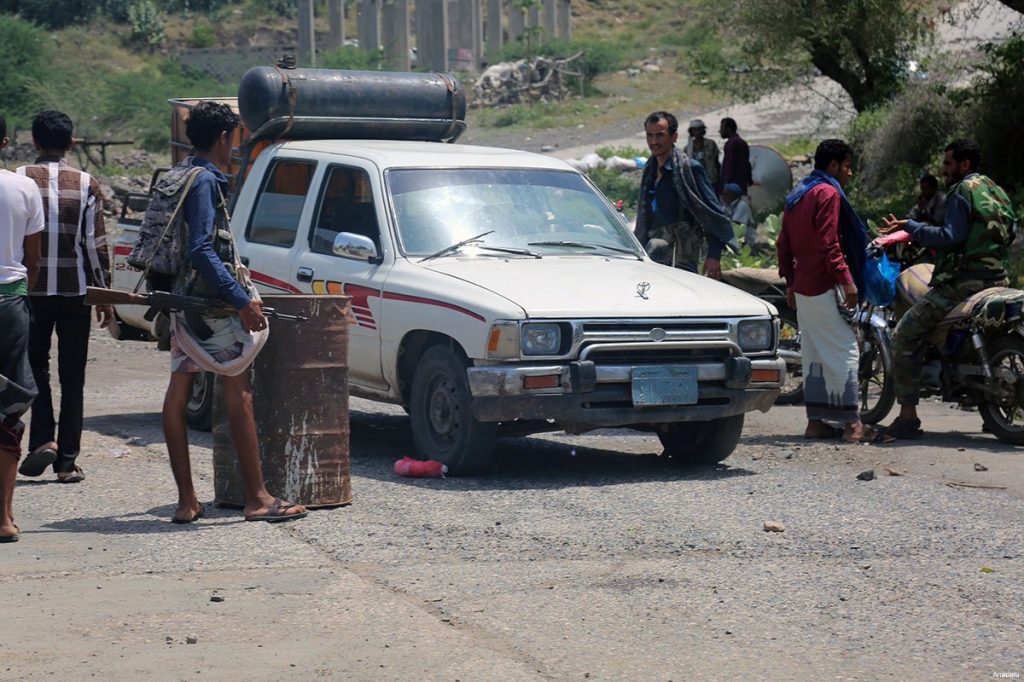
(863, 45)
(25, 53)
(52, 14)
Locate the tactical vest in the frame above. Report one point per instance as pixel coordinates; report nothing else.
(189, 281)
(990, 232)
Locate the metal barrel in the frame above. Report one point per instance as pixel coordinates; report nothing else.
(297, 104)
(300, 403)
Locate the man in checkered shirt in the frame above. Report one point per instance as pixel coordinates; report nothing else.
(74, 256)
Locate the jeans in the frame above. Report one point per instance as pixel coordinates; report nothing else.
(72, 319)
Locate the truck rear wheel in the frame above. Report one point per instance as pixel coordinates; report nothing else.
(696, 443)
(443, 426)
(199, 412)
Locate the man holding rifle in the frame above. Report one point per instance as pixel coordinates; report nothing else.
(223, 343)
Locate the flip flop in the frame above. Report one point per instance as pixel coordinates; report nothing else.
(10, 538)
(76, 477)
(35, 462)
(877, 437)
(198, 515)
(276, 513)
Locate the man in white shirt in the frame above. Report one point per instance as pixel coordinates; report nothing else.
(21, 224)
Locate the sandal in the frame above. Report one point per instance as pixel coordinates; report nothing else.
(876, 436)
(35, 462)
(278, 513)
(904, 429)
(77, 476)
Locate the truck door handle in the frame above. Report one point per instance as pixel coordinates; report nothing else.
(304, 274)
(245, 260)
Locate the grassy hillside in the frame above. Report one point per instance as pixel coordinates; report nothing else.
(114, 79)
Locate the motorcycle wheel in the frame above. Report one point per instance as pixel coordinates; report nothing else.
(875, 386)
(1002, 403)
(789, 349)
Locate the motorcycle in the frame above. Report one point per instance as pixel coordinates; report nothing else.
(871, 324)
(975, 357)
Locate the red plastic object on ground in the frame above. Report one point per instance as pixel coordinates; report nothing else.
(415, 468)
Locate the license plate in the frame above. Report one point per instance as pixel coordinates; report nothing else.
(664, 385)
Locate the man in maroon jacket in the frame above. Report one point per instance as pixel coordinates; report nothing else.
(736, 164)
(818, 282)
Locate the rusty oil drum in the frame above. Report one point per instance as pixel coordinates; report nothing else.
(300, 403)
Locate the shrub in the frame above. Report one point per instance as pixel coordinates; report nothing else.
(53, 14)
(203, 35)
(147, 26)
(25, 53)
(350, 57)
(909, 133)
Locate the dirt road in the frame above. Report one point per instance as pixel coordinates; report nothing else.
(582, 558)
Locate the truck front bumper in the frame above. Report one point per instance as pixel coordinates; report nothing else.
(602, 396)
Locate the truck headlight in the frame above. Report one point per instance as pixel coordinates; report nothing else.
(754, 335)
(541, 339)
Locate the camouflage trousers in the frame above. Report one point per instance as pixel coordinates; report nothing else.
(680, 244)
(918, 324)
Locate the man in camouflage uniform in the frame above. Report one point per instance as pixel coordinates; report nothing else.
(678, 209)
(972, 250)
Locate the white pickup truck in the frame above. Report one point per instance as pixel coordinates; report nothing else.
(492, 286)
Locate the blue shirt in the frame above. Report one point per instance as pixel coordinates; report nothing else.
(200, 211)
(954, 231)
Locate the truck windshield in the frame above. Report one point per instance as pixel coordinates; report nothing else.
(544, 211)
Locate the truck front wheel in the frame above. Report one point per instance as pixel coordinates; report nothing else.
(695, 443)
(443, 426)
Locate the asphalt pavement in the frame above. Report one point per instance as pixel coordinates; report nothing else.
(578, 558)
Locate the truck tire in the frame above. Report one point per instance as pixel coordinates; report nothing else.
(199, 412)
(126, 332)
(789, 348)
(443, 426)
(697, 443)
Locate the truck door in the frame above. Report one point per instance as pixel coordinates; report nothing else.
(346, 202)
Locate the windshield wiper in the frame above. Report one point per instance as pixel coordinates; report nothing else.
(585, 245)
(511, 249)
(455, 247)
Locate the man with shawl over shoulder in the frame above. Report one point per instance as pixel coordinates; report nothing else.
(821, 249)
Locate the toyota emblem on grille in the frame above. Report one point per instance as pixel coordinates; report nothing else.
(642, 288)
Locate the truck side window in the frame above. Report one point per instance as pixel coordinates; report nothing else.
(279, 205)
(346, 205)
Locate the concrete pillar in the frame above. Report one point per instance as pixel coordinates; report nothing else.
(395, 15)
(516, 21)
(476, 17)
(368, 24)
(565, 19)
(432, 34)
(494, 33)
(550, 9)
(307, 38)
(336, 16)
(422, 34)
(533, 17)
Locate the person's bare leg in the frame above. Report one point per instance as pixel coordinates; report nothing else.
(817, 429)
(238, 399)
(179, 392)
(8, 479)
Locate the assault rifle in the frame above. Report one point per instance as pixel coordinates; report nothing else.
(162, 300)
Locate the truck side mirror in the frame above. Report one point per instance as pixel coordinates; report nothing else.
(355, 247)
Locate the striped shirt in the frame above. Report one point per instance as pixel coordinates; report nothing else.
(74, 244)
